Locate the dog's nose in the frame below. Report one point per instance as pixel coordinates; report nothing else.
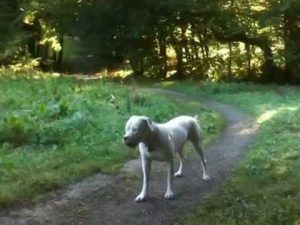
(125, 138)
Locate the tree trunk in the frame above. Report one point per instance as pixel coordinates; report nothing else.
(184, 43)
(230, 62)
(204, 50)
(202, 46)
(195, 50)
(162, 55)
(179, 65)
(248, 54)
(137, 65)
(177, 44)
(194, 44)
(60, 54)
(291, 47)
(269, 68)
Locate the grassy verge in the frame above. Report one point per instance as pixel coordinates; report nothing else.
(57, 130)
(266, 188)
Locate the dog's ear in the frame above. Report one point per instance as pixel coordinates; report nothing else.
(150, 124)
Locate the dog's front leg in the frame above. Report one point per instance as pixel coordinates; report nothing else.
(169, 193)
(146, 167)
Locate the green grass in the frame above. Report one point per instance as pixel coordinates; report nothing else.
(54, 131)
(265, 189)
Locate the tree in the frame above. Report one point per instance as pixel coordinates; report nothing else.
(10, 29)
(177, 39)
(285, 17)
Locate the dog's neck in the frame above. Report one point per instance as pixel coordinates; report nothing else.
(151, 141)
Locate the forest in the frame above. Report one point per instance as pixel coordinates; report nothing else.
(218, 40)
(73, 71)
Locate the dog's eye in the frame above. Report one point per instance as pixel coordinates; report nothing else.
(134, 129)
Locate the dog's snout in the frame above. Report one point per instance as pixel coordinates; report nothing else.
(125, 138)
(129, 141)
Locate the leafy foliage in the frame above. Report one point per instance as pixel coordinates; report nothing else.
(217, 40)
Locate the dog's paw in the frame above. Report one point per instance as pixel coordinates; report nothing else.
(141, 198)
(205, 177)
(169, 195)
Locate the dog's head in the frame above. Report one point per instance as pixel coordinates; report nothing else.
(137, 129)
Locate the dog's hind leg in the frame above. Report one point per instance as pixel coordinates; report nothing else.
(169, 193)
(195, 136)
(198, 147)
(181, 158)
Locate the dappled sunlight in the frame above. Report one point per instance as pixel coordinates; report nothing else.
(170, 73)
(272, 163)
(166, 83)
(266, 116)
(248, 131)
(271, 113)
(19, 72)
(103, 74)
(291, 108)
(69, 80)
(44, 76)
(118, 73)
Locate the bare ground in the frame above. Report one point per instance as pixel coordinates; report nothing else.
(109, 200)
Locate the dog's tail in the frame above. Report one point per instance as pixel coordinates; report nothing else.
(198, 122)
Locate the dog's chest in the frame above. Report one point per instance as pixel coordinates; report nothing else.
(156, 151)
(158, 154)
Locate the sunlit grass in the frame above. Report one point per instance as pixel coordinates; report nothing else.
(55, 130)
(266, 116)
(265, 188)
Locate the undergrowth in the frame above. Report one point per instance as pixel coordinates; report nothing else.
(56, 130)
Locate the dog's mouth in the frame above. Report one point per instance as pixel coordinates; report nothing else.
(131, 144)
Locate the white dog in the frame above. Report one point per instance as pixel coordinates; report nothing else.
(161, 142)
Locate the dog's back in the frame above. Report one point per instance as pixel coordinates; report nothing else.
(186, 122)
(184, 128)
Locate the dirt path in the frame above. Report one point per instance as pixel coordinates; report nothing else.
(108, 200)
